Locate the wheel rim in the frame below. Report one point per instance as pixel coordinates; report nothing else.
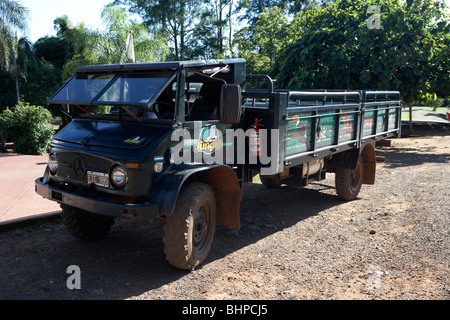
(202, 227)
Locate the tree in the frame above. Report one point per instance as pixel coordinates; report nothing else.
(270, 31)
(53, 49)
(82, 46)
(252, 8)
(213, 32)
(174, 19)
(109, 45)
(13, 19)
(29, 128)
(260, 44)
(340, 47)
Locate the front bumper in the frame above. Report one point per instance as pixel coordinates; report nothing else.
(96, 204)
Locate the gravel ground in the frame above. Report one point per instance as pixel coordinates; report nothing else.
(303, 244)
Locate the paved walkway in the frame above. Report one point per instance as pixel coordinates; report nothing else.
(18, 201)
(426, 114)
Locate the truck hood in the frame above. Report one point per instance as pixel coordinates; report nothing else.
(114, 134)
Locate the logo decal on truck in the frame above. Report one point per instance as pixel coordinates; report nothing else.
(158, 167)
(158, 164)
(134, 140)
(209, 140)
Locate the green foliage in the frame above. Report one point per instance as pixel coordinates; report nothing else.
(302, 43)
(173, 19)
(28, 127)
(41, 69)
(253, 8)
(334, 47)
(260, 44)
(53, 49)
(108, 46)
(13, 19)
(7, 91)
(212, 36)
(40, 84)
(429, 99)
(91, 47)
(37, 79)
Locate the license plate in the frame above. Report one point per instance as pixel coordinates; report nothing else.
(98, 178)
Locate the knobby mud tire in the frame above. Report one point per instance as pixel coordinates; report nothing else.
(348, 182)
(271, 182)
(189, 230)
(85, 225)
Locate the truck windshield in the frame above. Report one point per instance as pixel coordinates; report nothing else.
(128, 89)
(139, 95)
(82, 88)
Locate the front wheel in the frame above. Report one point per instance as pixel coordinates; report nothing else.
(85, 225)
(349, 182)
(189, 230)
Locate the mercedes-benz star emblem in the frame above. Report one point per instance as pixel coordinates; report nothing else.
(79, 167)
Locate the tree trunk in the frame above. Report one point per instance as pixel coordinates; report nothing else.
(230, 40)
(220, 31)
(17, 88)
(410, 118)
(15, 75)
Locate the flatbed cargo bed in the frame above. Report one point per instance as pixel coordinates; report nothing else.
(314, 124)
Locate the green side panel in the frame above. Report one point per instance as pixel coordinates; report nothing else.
(368, 121)
(298, 133)
(326, 129)
(347, 126)
(381, 121)
(393, 120)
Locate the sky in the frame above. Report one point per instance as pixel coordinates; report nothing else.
(43, 12)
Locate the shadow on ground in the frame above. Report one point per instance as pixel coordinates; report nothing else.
(131, 260)
(401, 157)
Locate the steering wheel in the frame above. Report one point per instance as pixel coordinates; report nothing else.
(167, 107)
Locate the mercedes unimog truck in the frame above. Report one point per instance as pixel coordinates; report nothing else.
(178, 140)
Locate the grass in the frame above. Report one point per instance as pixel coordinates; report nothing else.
(422, 113)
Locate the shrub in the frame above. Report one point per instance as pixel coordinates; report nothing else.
(28, 127)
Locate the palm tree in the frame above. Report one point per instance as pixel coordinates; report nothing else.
(13, 19)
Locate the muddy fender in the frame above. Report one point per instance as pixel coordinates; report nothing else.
(220, 177)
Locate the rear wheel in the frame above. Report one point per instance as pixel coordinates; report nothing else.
(85, 225)
(272, 182)
(189, 231)
(349, 182)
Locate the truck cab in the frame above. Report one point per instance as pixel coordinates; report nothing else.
(115, 157)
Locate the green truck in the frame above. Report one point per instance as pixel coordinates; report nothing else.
(178, 140)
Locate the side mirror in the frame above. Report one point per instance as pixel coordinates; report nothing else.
(230, 103)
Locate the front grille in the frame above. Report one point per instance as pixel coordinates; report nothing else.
(73, 166)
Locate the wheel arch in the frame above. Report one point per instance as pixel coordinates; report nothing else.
(370, 160)
(349, 159)
(220, 177)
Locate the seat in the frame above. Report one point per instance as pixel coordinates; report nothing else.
(206, 107)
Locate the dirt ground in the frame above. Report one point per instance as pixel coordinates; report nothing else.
(303, 244)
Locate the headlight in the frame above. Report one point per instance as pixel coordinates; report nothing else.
(52, 164)
(119, 177)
